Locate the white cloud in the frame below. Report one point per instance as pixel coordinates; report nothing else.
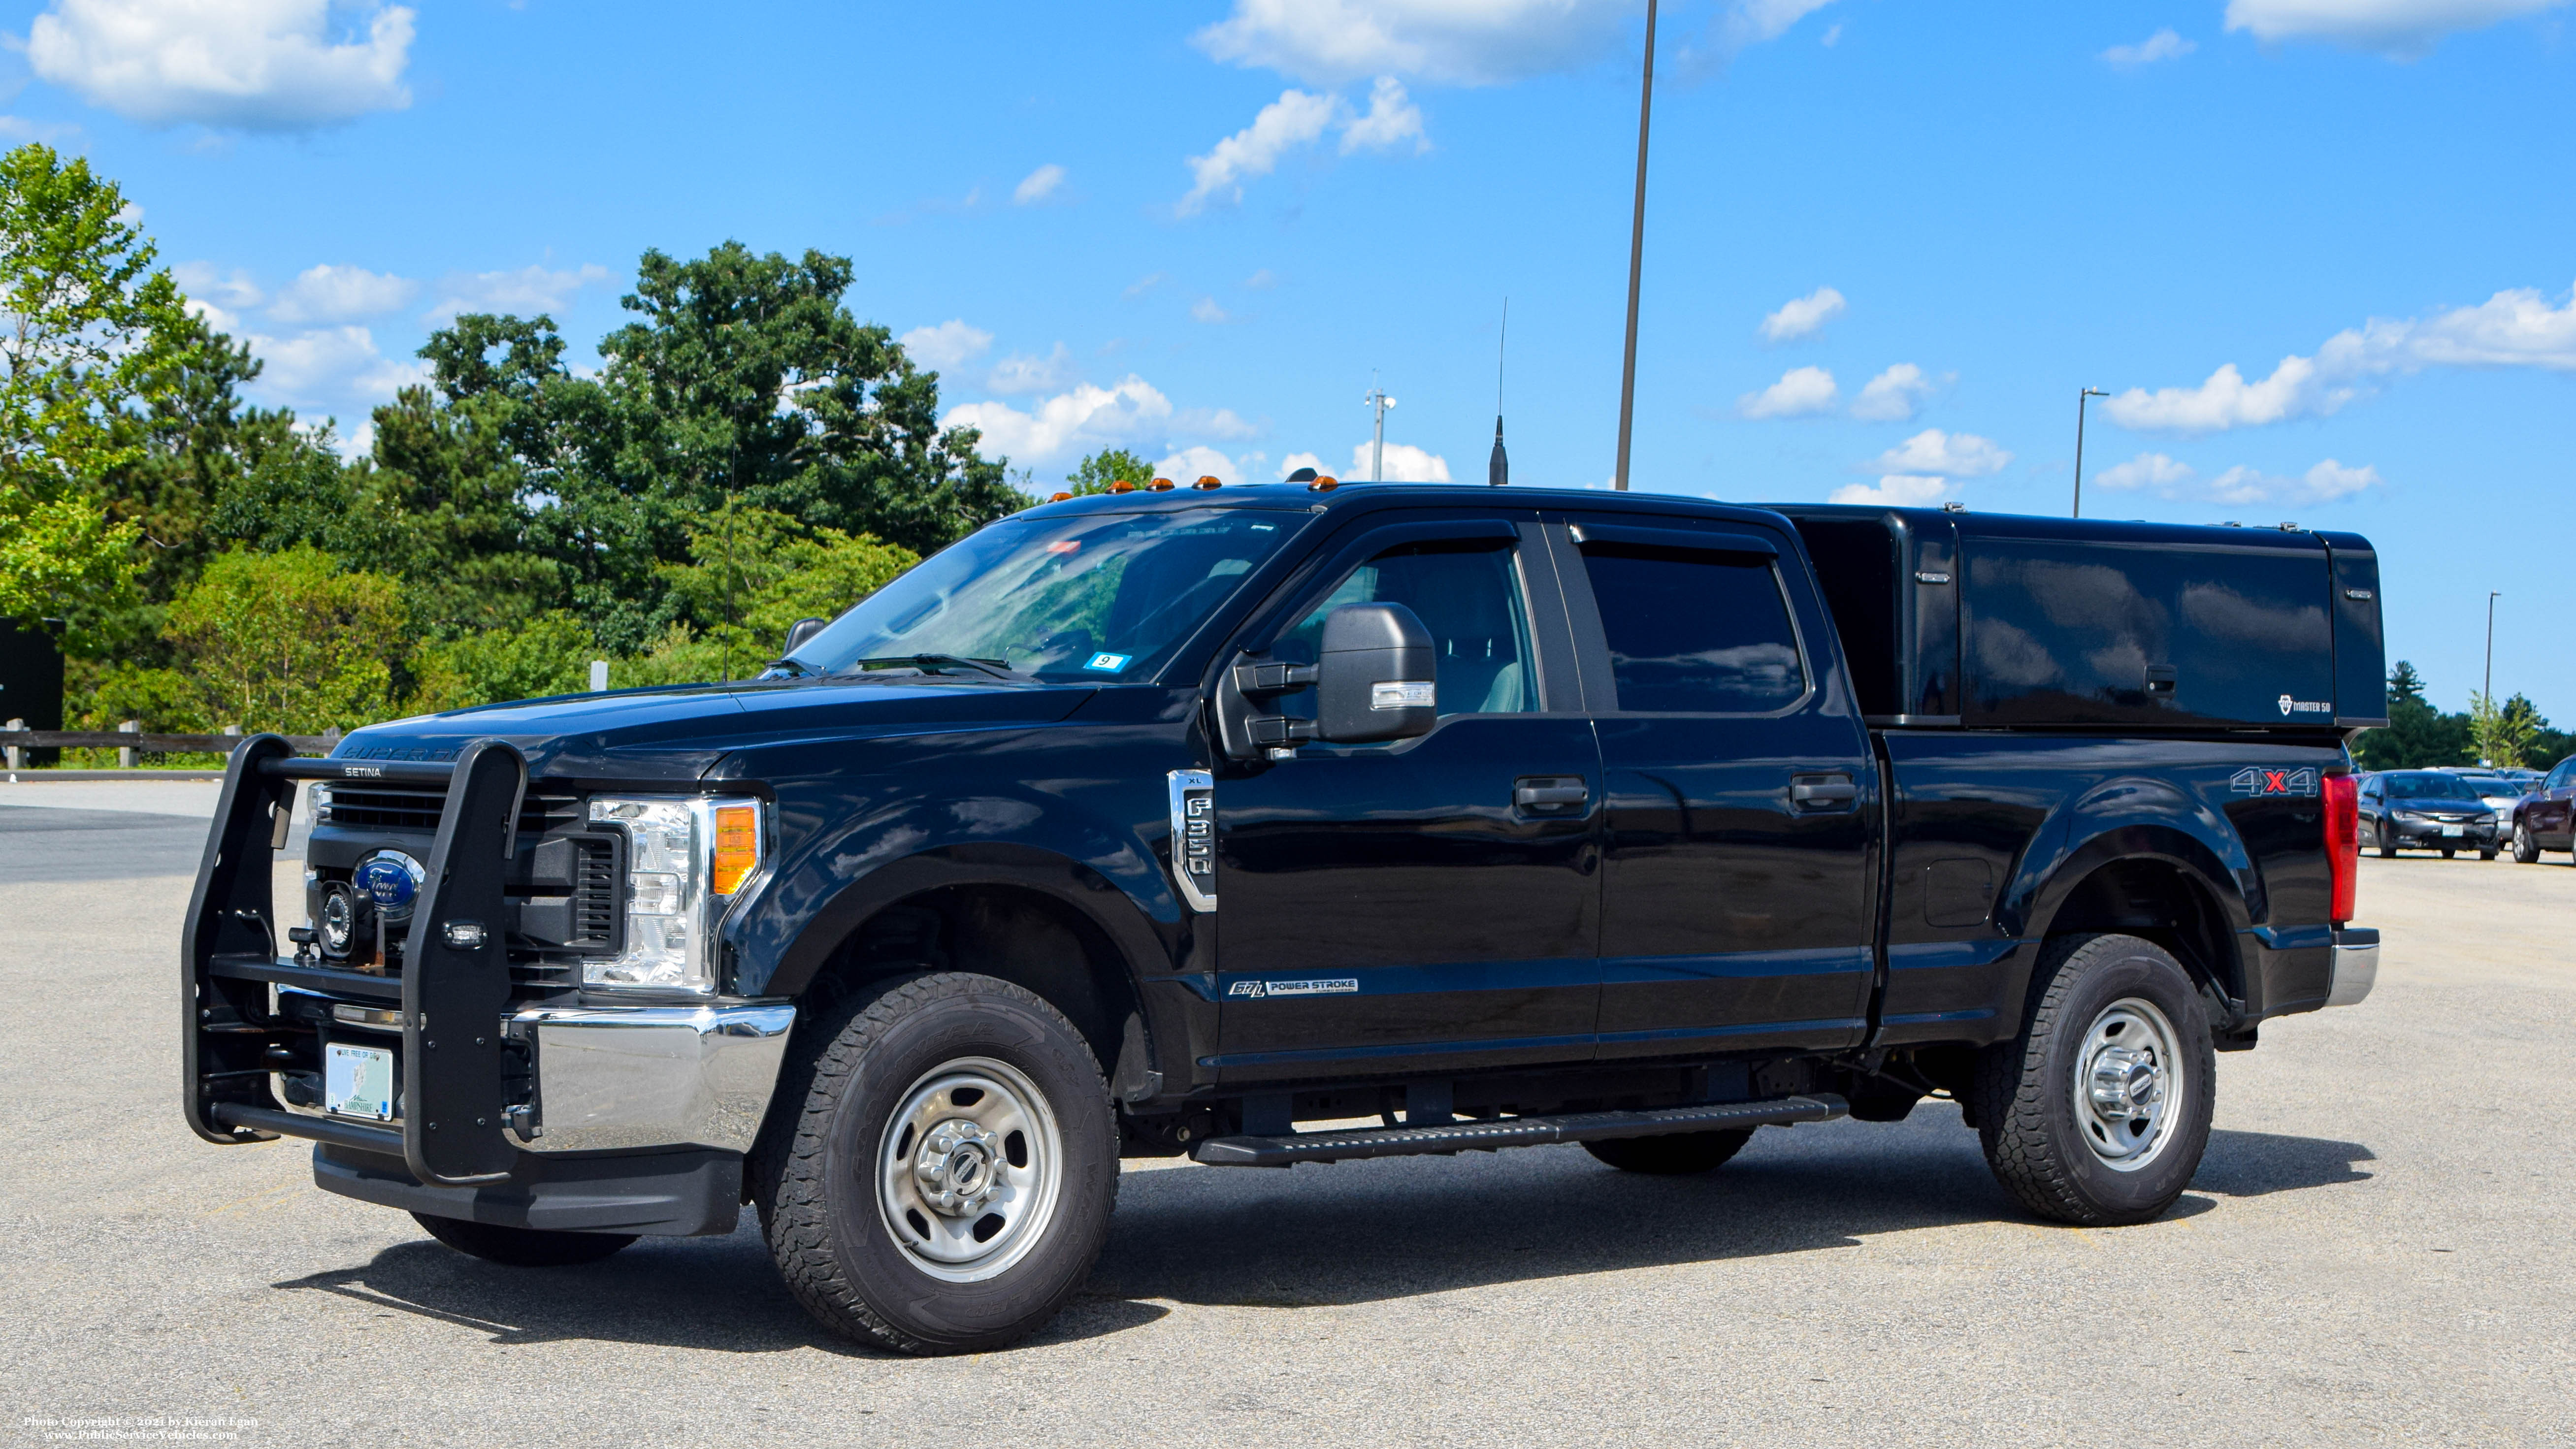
(1078, 420)
(201, 281)
(2514, 328)
(2148, 470)
(1142, 285)
(1449, 42)
(1897, 490)
(2163, 45)
(257, 65)
(1892, 396)
(1191, 464)
(1405, 463)
(1020, 372)
(1216, 423)
(1295, 119)
(947, 345)
(1205, 309)
(1038, 185)
(1801, 316)
(1261, 281)
(1743, 24)
(1800, 390)
(1833, 34)
(1390, 118)
(330, 367)
(531, 288)
(52, 133)
(340, 294)
(1962, 455)
(2400, 28)
(2327, 482)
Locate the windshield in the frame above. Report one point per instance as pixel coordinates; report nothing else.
(2494, 786)
(2430, 785)
(1093, 596)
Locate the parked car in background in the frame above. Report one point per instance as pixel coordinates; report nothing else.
(2540, 819)
(2428, 810)
(2501, 790)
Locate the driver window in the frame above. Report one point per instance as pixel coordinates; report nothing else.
(1468, 595)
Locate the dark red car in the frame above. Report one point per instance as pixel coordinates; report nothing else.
(2541, 818)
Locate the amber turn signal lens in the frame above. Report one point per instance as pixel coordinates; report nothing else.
(737, 847)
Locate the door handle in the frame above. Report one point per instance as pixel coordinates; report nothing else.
(1822, 792)
(1550, 794)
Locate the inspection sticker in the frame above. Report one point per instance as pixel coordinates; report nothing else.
(1108, 663)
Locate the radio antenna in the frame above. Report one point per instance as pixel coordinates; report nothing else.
(1498, 469)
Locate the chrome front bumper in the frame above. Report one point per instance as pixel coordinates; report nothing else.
(2356, 964)
(622, 1078)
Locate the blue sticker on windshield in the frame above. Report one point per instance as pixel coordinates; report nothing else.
(1110, 663)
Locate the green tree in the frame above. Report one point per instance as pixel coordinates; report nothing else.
(287, 641)
(750, 577)
(2416, 735)
(2499, 734)
(550, 654)
(1110, 465)
(90, 324)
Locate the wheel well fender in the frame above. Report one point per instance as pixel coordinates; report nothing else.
(2154, 881)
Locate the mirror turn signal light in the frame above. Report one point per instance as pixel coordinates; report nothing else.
(737, 847)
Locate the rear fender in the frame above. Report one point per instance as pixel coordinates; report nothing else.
(2135, 819)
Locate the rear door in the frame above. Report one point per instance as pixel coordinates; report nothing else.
(1427, 896)
(1741, 800)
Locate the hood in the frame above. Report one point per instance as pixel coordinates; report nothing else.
(680, 733)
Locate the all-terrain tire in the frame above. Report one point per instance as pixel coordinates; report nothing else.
(1671, 1154)
(818, 1176)
(2043, 1140)
(522, 1247)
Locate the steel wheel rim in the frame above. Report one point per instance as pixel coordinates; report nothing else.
(967, 1187)
(2131, 1080)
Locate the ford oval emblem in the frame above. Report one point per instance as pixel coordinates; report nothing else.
(392, 880)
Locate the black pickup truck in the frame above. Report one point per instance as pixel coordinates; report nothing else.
(1295, 823)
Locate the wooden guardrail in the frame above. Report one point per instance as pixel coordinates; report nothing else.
(128, 739)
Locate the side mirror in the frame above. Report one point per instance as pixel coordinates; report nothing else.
(800, 632)
(1375, 676)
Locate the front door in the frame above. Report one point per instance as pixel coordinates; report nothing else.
(1434, 895)
(1740, 843)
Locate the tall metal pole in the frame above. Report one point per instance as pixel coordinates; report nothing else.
(2087, 395)
(2492, 596)
(1636, 256)
(1378, 399)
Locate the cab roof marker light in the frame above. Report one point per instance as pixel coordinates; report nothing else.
(1059, 498)
(1122, 486)
(1161, 485)
(1208, 480)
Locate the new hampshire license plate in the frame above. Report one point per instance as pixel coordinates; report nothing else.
(358, 1082)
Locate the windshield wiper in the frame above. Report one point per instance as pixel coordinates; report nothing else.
(929, 663)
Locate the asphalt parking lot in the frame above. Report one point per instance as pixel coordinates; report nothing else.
(2377, 1250)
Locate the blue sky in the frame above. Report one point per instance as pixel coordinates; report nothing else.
(2320, 252)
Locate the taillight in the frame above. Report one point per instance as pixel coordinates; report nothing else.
(2343, 842)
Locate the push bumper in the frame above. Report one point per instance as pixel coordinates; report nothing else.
(621, 1079)
(2356, 964)
(660, 1194)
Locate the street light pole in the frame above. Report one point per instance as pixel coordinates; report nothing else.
(2492, 596)
(1378, 399)
(2087, 395)
(1636, 257)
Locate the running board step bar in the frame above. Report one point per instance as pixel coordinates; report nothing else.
(1501, 1132)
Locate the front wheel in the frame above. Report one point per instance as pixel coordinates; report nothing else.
(948, 1180)
(2449, 850)
(2098, 1112)
(2525, 849)
(522, 1247)
(1671, 1154)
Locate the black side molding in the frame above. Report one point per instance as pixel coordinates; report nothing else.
(1493, 1136)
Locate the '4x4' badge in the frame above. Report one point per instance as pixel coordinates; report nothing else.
(2257, 780)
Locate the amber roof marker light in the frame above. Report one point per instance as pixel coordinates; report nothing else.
(1209, 480)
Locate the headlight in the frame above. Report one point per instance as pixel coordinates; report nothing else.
(687, 858)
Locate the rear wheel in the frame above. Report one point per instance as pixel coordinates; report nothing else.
(2525, 849)
(1671, 1154)
(948, 1180)
(522, 1247)
(2098, 1112)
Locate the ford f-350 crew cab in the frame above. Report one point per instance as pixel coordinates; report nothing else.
(1163, 822)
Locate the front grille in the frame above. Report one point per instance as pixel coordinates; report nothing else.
(417, 808)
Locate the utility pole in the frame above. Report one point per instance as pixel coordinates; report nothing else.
(2492, 596)
(1636, 257)
(1378, 400)
(2087, 395)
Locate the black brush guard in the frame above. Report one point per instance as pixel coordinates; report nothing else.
(453, 992)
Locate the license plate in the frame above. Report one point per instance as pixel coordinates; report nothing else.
(358, 1082)
(2455, 830)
